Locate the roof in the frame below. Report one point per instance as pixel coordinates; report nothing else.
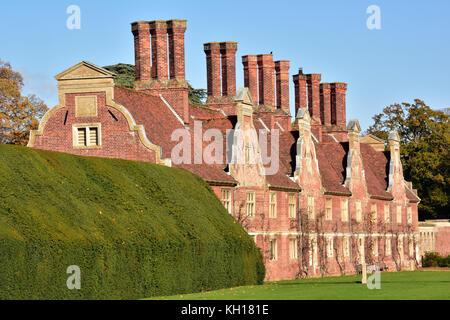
(331, 154)
(145, 108)
(332, 158)
(376, 168)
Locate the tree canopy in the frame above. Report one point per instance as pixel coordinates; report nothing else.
(18, 114)
(425, 145)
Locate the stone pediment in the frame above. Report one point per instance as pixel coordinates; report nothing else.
(84, 70)
(369, 139)
(375, 142)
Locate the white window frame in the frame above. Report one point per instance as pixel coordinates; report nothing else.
(388, 247)
(346, 246)
(375, 247)
(358, 205)
(409, 214)
(329, 209)
(87, 127)
(344, 210)
(386, 213)
(273, 196)
(330, 247)
(292, 205)
(374, 211)
(293, 248)
(400, 247)
(311, 207)
(226, 198)
(399, 214)
(250, 204)
(273, 247)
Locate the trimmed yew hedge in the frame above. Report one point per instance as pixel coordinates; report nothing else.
(135, 230)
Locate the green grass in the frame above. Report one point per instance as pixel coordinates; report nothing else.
(135, 229)
(394, 286)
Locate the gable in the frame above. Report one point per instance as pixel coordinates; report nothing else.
(84, 70)
(374, 142)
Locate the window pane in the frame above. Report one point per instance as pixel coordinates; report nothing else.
(82, 137)
(93, 136)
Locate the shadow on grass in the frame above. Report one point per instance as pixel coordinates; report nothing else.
(356, 282)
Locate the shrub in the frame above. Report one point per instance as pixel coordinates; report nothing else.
(433, 259)
(135, 229)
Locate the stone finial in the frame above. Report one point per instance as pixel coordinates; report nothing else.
(394, 136)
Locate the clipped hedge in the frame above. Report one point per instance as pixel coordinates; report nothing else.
(135, 229)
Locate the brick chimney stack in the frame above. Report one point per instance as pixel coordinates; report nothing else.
(250, 63)
(266, 79)
(228, 50)
(325, 104)
(162, 34)
(300, 91)
(338, 92)
(158, 30)
(141, 33)
(176, 30)
(282, 84)
(313, 81)
(212, 51)
(221, 71)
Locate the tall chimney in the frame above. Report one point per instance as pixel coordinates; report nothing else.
(141, 33)
(250, 63)
(325, 104)
(282, 83)
(266, 79)
(313, 81)
(228, 51)
(212, 51)
(176, 30)
(300, 91)
(338, 92)
(158, 30)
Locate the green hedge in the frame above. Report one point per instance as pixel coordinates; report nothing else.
(434, 259)
(135, 229)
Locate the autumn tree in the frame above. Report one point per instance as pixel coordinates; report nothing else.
(425, 145)
(18, 114)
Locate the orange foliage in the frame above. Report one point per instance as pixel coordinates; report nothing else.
(18, 114)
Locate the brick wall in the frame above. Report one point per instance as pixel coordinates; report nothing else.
(117, 141)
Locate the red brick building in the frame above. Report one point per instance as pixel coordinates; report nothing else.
(315, 197)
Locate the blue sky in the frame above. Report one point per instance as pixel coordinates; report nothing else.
(408, 58)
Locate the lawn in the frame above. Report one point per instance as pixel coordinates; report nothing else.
(413, 285)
